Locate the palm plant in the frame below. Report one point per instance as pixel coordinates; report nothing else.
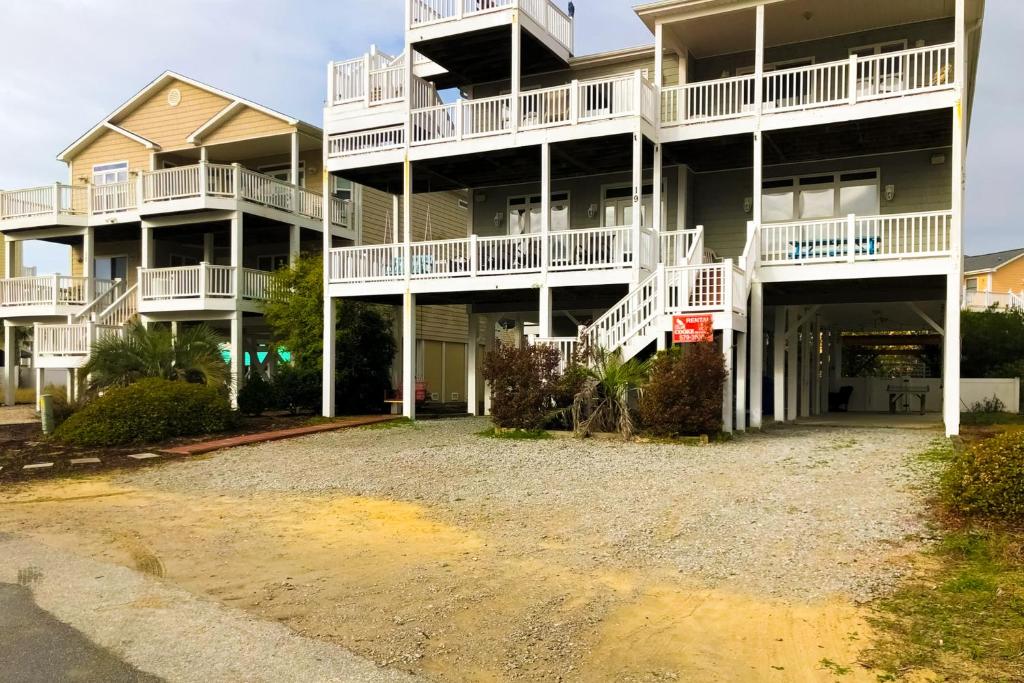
(191, 356)
(602, 405)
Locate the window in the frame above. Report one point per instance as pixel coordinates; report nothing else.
(341, 188)
(972, 284)
(271, 262)
(111, 267)
(820, 196)
(108, 174)
(879, 76)
(284, 172)
(524, 213)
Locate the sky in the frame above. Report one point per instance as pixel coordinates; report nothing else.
(69, 63)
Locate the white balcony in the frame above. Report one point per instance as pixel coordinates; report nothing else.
(546, 15)
(67, 345)
(474, 260)
(203, 287)
(198, 186)
(48, 295)
(895, 244)
(573, 105)
(857, 79)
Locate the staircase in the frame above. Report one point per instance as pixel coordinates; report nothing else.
(695, 286)
(67, 345)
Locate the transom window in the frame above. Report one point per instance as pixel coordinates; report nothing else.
(108, 174)
(820, 196)
(341, 188)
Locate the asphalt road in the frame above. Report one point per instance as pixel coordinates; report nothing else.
(34, 646)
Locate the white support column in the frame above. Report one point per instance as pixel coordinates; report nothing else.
(40, 379)
(682, 198)
(951, 338)
(759, 60)
(295, 157)
(756, 338)
(816, 368)
(545, 210)
(236, 254)
(396, 234)
(516, 76)
(294, 244)
(472, 347)
(792, 361)
(407, 218)
(89, 261)
(659, 54)
(727, 390)
(837, 361)
(779, 366)
(758, 176)
(327, 403)
(488, 322)
(147, 250)
(10, 363)
(237, 357)
(638, 188)
(10, 263)
(658, 219)
(805, 370)
(544, 312)
(409, 355)
(208, 253)
(741, 382)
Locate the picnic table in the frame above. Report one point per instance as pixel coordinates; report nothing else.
(902, 393)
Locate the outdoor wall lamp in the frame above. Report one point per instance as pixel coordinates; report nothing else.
(592, 211)
(498, 218)
(890, 192)
(748, 204)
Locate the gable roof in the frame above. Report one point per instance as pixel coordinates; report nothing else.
(140, 97)
(994, 261)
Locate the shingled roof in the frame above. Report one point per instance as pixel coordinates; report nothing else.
(991, 261)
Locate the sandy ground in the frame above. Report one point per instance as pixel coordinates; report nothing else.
(11, 415)
(434, 551)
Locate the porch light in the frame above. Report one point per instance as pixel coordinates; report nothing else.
(748, 204)
(592, 211)
(890, 192)
(498, 218)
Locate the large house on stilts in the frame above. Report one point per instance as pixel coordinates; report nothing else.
(793, 169)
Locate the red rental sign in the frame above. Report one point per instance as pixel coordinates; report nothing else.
(692, 329)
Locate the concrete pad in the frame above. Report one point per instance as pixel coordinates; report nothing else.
(38, 466)
(85, 461)
(143, 456)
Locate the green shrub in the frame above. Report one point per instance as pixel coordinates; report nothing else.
(297, 389)
(987, 478)
(684, 394)
(148, 411)
(255, 396)
(523, 384)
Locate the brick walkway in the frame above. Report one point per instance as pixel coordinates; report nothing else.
(231, 442)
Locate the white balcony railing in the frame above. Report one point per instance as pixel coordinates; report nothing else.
(186, 282)
(70, 340)
(545, 13)
(568, 250)
(570, 104)
(847, 81)
(857, 238)
(677, 245)
(49, 199)
(52, 290)
(114, 198)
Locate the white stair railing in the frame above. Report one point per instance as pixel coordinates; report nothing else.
(122, 310)
(632, 315)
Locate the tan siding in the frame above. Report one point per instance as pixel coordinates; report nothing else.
(447, 220)
(1009, 278)
(169, 126)
(107, 148)
(246, 124)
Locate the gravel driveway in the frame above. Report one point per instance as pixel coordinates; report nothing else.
(790, 512)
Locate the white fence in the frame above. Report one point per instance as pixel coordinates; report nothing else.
(974, 299)
(35, 201)
(974, 391)
(52, 290)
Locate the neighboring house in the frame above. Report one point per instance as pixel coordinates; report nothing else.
(994, 280)
(790, 171)
(177, 207)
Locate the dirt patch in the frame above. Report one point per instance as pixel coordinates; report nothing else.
(397, 583)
